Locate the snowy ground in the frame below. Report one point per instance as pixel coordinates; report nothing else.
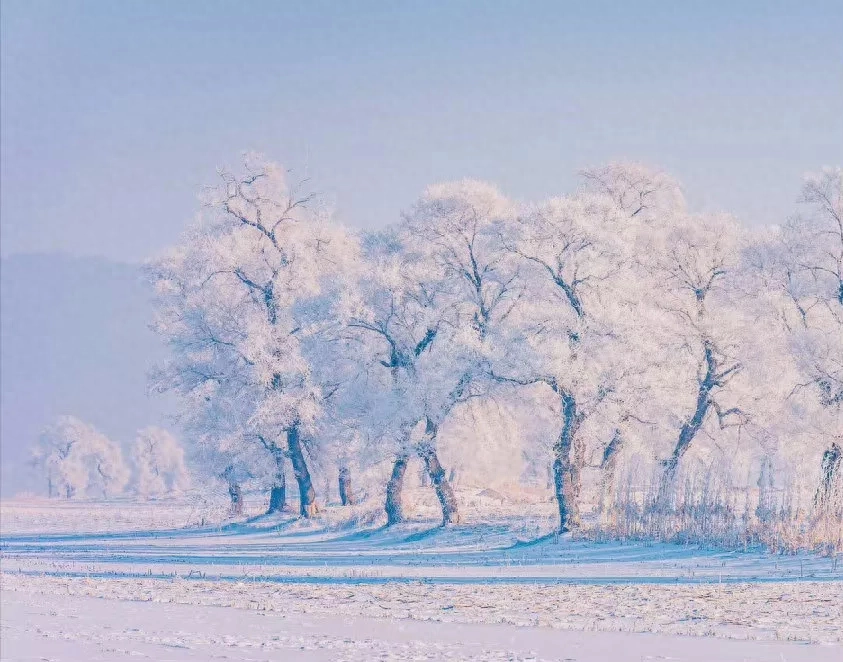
(275, 588)
(75, 628)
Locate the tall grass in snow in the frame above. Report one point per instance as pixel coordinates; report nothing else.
(705, 507)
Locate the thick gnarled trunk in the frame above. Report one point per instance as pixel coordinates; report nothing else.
(278, 492)
(394, 489)
(567, 463)
(346, 493)
(307, 495)
(444, 491)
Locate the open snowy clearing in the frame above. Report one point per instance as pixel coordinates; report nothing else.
(272, 588)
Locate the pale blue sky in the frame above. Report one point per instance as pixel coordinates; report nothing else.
(115, 113)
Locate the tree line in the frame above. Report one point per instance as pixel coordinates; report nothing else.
(642, 327)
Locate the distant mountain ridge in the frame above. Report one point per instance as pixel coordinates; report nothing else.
(74, 339)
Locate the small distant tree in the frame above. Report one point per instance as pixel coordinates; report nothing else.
(159, 463)
(78, 459)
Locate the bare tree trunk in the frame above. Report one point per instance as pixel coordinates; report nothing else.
(277, 498)
(690, 428)
(278, 492)
(307, 495)
(453, 475)
(346, 494)
(236, 495)
(447, 499)
(234, 491)
(765, 510)
(830, 474)
(608, 466)
(394, 488)
(567, 461)
(667, 483)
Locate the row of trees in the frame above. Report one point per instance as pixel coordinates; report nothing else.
(645, 330)
(77, 459)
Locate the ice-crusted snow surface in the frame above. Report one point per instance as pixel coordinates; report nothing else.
(412, 592)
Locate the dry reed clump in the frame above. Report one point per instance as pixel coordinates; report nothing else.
(704, 507)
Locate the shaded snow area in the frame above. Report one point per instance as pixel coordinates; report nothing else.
(275, 588)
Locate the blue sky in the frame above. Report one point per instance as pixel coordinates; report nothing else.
(114, 114)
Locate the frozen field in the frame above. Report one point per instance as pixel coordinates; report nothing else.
(134, 579)
(77, 628)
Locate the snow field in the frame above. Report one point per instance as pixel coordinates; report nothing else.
(75, 628)
(810, 612)
(489, 571)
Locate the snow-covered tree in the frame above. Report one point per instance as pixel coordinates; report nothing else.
(159, 463)
(248, 306)
(443, 284)
(78, 459)
(703, 330)
(800, 270)
(457, 232)
(815, 261)
(641, 192)
(399, 318)
(575, 329)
